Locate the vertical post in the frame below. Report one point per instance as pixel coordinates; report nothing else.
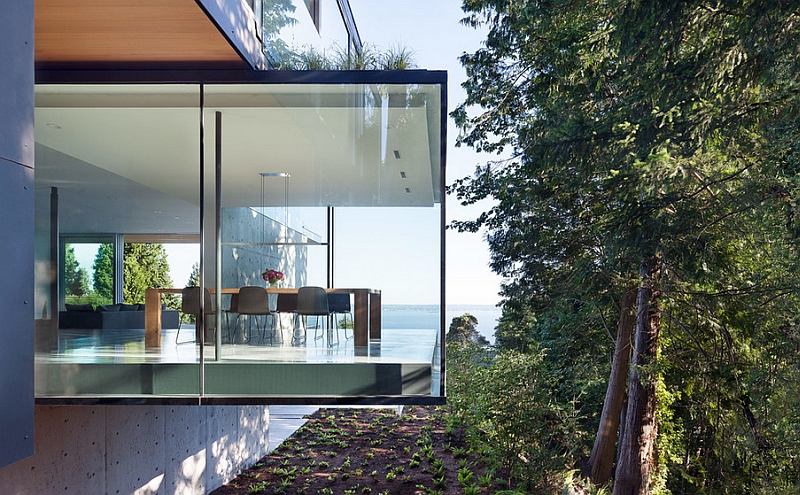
(55, 255)
(442, 243)
(119, 268)
(330, 246)
(201, 318)
(218, 236)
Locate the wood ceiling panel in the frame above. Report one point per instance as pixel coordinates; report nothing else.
(140, 31)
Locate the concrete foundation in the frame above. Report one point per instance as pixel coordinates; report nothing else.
(138, 450)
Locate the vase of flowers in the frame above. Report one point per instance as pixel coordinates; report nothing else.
(272, 277)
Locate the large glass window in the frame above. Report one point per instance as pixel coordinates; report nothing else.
(173, 202)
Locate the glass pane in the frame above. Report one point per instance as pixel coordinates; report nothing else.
(321, 183)
(295, 27)
(117, 180)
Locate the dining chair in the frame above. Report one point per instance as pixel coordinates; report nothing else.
(233, 309)
(339, 304)
(285, 304)
(254, 301)
(311, 301)
(190, 305)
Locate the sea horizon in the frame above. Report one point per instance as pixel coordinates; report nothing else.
(398, 316)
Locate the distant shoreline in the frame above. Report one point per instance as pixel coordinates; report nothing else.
(427, 316)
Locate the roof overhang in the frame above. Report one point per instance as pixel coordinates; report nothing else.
(146, 33)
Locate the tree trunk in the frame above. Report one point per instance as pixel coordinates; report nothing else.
(637, 456)
(601, 462)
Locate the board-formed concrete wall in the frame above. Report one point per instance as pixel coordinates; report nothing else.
(141, 450)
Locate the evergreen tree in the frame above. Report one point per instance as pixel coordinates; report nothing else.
(103, 268)
(463, 329)
(651, 152)
(145, 266)
(194, 277)
(76, 279)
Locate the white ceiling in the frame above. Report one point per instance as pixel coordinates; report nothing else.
(342, 145)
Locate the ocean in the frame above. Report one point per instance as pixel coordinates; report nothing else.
(427, 316)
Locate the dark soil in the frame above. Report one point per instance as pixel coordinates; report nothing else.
(368, 451)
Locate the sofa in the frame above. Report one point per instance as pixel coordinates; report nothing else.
(111, 317)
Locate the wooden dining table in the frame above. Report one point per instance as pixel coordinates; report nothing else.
(366, 311)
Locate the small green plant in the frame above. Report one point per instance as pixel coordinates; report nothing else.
(429, 491)
(325, 491)
(472, 489)
(390, 476)
(257, 487)
(459, 453)
(464, 475)
(285, 484)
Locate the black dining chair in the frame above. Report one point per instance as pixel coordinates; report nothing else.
(190, 305)
(285, 304)
(254, 301)
(233, 309)
(311, 301)
(339, 304)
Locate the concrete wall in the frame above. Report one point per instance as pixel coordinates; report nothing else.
(139, 450)
(243, 260)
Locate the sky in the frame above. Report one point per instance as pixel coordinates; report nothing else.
(431, 29)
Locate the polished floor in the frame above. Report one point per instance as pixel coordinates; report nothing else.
(127, 346)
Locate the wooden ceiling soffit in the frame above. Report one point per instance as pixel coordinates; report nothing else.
(136, 32)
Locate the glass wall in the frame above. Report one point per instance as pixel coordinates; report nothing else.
(295, 27)
(151, 189)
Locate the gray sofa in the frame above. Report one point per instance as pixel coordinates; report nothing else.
(113, 316)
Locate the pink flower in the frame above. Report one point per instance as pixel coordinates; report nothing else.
(272, 275)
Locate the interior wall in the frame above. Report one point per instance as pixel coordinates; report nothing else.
(243, 260)
(156, 450)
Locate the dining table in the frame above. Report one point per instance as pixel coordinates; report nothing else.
(366, 311)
